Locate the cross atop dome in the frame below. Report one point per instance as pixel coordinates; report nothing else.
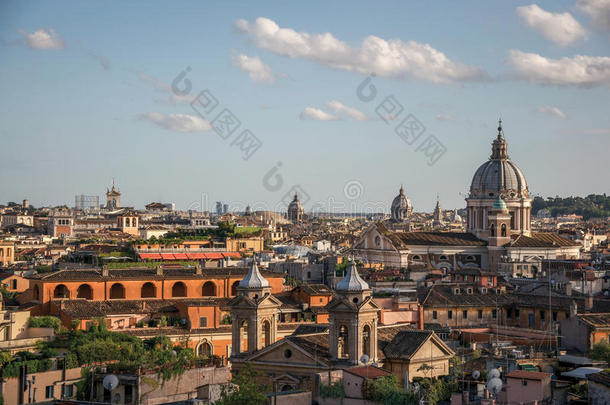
(499, 147)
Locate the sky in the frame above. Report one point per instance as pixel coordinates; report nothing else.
(342, 102)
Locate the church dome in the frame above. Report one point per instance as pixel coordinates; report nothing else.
(499, 176)
(295, 209)
(401, 206)
(499, 205)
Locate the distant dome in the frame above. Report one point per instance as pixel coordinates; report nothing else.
(295, 209)
(352, 282)
(254, 279)
(499, 176)
(401, 206)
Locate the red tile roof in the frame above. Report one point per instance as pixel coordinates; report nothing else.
(528, 375)
(368, 371)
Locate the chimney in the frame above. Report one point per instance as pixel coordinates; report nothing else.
(589, 302)
(420, 310)
(160, 270)
(198, 268)
(105, 271)
(568, 289)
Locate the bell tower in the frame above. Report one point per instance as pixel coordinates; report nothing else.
(253, 313)
(353, 320)
(499, 232)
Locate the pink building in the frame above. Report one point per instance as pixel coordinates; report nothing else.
(526, 386)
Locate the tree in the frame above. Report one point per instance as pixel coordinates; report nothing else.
(244, 391)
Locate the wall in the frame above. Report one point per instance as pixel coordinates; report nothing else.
(10, 386)
(599, 394)
(534, 390)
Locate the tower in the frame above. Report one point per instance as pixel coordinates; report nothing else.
(499, 176)
(437, 221)
(128, 222)
(353, 320)
(253, 313)
(113, 198)
(499, 232)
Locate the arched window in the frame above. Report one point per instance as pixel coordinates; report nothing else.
(234, 288)
(208, 289)
(179, 289)
(503, 229)
(117, 291)
(266, 333)
(416, 257)
(61, 291)
(148, 290)
(243, 337)
(36, 293)
(366, 340)
(443, 257)
(205, 349)
(492, 230)
(84, 291)
(343, 343)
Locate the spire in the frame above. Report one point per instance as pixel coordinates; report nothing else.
(402, 190)
(498, 148)
(254, 279)
(352, 282)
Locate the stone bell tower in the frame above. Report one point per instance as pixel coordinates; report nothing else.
(253, 313)
(499, 232)
(353, 320)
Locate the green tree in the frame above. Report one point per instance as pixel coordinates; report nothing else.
(600, 351)
(245, 390)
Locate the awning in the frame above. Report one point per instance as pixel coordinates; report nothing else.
(167, 256)
(180, 256)
(150, 256)
(213, 256)
(232, 254)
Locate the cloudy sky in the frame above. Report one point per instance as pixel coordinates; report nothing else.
(194, 102)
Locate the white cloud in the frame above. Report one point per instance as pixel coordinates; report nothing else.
(177, 122)
(341, 108)
(598, 10)
(257, 70)
(173, 98)
(553, 110)
(560, 28)
(316, 114)
(389, 58)
(586, 71)
(43, 39)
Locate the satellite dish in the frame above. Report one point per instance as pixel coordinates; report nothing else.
(494, 385)
(476, 374)
(364, 359)
(110, 382)
(493, 373)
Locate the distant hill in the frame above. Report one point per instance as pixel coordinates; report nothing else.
(591, 206)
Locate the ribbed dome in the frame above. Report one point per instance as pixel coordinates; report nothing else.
(295, 209)
(401, 206)
(499, 205)
(254, 279)
(499, 175)
(352, 282)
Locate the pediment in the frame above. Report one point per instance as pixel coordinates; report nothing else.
(276, 354)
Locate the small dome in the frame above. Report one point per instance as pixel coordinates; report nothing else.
(401, 206)
(352, 282)
(254, 279)
(499, 205)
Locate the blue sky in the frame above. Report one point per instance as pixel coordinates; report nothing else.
(86, 97)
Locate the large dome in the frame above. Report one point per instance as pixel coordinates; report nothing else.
(499, 175)
(401, 206)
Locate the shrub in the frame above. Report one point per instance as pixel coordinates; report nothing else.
(44, 322)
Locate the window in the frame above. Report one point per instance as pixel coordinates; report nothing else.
(542, 314)
(434, 315)
(517, 313)
(464, 314)
(524, 382)
(503, 231)
(69, 390)
(554, 316)
(321, 299)
(443, 257)
(509, 313)
(416, 257)
(287, 353)
(494, 313)
(469, 290)
(480, 314)
(203, 322)
(14, 284)
(450, 314)
(49, 391)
